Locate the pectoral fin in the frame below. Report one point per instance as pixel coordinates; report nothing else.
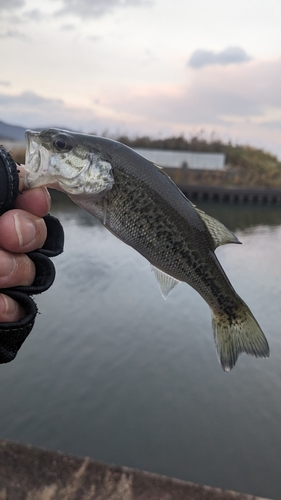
(219, 233)
(165, 281)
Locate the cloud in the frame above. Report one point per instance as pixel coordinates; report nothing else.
(94, 38)
(81, 8)
(97, 8)
(29, 99)
(11, 4)
(14, 34)
(30, 109)
(230, 55)
(239, 102)
(215, 96)
(273, 125)
(68, 27)
(14, 108)
(35, 15)
(5, 83)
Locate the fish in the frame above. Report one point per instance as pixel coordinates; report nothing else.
(138, 202)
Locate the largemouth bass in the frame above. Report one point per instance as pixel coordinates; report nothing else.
(137, 201)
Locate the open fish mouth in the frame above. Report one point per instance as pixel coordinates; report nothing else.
(37, 160)
(32, 147)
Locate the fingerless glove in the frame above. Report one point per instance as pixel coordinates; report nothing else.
(12, 335)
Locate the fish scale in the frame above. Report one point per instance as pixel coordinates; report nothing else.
(141, 206)
(162, 224)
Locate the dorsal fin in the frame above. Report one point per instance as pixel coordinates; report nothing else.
(219, 233)
(165, 281)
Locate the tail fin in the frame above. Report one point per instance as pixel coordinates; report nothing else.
(236, 335)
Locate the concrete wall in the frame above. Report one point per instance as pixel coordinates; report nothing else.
(176, 159)
(28, 473)
(232, 195)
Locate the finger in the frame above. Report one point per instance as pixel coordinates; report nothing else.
(22, 174)
(21, 231)
(10, 310)
(16, 270)
(36, 201)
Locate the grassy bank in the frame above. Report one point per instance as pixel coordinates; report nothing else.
(245, 166)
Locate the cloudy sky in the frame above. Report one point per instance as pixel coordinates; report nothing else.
(155, 67)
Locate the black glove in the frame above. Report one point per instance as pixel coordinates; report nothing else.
(12, 335)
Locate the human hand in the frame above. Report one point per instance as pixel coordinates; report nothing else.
(22, 230)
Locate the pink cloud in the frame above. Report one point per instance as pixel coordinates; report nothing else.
(241, 103)
(208, 97)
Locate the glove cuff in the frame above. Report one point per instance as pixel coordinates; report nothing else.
(12, 335)
(9, 186)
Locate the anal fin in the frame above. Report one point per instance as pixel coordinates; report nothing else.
(165, 281)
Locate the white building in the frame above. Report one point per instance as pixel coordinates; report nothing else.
(178, 159)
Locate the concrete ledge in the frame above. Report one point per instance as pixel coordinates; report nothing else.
(28, 473)
(238, 195)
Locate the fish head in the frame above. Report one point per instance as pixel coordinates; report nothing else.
(67, 161)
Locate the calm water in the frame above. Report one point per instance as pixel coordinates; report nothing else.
(113, 371)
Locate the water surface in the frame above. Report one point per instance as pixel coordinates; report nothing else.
(113, 371)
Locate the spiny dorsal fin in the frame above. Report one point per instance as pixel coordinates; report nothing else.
(165, 281)
(219, 233)
(159, 168)
(162, 171)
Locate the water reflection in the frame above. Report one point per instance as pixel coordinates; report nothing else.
(235, 217)
(241, 217)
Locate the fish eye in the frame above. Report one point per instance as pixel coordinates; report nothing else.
(62, 144)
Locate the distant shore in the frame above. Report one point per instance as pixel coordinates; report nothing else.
(246, 168)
